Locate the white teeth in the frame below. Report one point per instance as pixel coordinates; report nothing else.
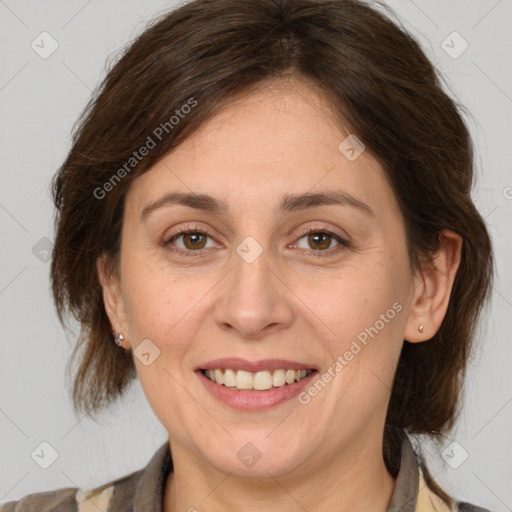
(262, 380)
(278, 378)
(243, 379)
(229, 378)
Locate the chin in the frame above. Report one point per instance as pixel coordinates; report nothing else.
(257, 457)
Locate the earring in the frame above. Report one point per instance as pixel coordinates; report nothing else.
(420, 328)
(118, 338)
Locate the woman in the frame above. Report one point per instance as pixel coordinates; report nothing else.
(266, 218)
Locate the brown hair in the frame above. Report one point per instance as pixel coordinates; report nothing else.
(381, 85)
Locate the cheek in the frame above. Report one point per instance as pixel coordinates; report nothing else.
(162, 306)
(360, 316)
(356, 297)
(161, 309)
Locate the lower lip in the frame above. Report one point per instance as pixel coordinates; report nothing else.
(252, 400)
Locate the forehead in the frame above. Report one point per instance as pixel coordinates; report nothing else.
(279, 121)
(279, 138)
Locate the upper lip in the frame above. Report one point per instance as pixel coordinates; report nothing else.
(236, 363)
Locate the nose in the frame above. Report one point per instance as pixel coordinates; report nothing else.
(253, 302)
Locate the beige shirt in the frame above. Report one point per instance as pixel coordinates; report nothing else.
(142, 491)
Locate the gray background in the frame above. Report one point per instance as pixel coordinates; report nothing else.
(41, 98)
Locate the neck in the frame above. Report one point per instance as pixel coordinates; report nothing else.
(355, 480)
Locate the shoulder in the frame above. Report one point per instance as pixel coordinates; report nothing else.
(57, 500)
(138, 489)
(114, 496)
(462, 506)
(429, 500)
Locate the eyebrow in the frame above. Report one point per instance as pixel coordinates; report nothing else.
(289, 202)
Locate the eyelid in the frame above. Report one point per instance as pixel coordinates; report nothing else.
(343, 242)
(183, 231)
(313, 228)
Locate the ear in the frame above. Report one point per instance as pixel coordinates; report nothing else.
(433, 288)
(112, 298)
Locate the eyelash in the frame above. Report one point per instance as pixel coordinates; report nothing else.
(343, 244)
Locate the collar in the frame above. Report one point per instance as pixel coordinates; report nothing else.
(149, 492)
(405, 492)
(148, 495)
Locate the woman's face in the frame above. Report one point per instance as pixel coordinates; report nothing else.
(249, 284)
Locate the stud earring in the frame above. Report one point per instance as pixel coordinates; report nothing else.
(420, 328)
(118, 338)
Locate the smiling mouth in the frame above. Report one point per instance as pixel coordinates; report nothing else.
(259, 381)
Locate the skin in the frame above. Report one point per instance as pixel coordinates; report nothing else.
(288, 303)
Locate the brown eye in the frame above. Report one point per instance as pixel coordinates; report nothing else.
(319, 241)
(194, 240)
(188, 241)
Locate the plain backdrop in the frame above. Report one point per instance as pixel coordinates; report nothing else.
(40, 99)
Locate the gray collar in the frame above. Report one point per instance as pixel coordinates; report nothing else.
(148, 495)
(405, 492)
